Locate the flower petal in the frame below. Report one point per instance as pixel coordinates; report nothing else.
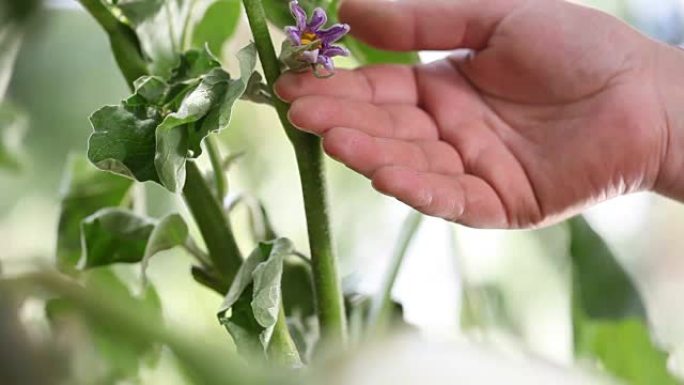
(311, 56)
(333, 34)
(299, 14)
(326, 62)
(318, 19)
(334, 50)
(294, 35)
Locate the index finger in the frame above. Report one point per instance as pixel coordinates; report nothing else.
(379, 84)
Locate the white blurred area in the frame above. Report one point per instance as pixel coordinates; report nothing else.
(646, 231)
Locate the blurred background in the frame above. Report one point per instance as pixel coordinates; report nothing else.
(65, 71)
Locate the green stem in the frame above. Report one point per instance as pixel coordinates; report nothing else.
(214, 226)
(329, 300)
(282, 348)
(124, 41)
(381, 304)
(217, 165)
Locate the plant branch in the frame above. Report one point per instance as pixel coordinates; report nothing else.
(381, 304)
(329, 300)
(214, 226)
(124, 41)
(217, 165)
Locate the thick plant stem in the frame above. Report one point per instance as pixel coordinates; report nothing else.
(329, 300)
(214, 226)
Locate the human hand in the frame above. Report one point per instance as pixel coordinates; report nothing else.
(554, 107)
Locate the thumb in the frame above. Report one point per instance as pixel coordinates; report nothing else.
(406, 25)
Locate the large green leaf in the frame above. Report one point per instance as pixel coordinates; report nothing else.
(626, 350)
(610, 322)
(85, 190)
(251, 307)
(602, 286)
(121, 354)
(119, 236)
(217, 25)
(150, 135)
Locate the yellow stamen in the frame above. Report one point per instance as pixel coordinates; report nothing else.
(308, 38)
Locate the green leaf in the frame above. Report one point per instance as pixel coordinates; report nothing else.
(626, 350)
(150, 135)
(217, 25)
(85, 190)
(366, 54)
(170, 232)
(119, 236)
(13, 125)
(121, 354)
(602, 288)
(123, 141)
(250, 309)
(114, 236)
(609, 318)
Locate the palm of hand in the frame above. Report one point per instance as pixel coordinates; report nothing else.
(516, 135)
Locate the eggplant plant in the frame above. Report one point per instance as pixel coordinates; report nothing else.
(282, 309)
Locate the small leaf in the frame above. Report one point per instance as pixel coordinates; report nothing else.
(114, 236)
(170, 232)
(250, 309)
(172, 133)
(85, 190)
(217, 25)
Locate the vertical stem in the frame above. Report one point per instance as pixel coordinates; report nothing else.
(282, 348)
(214, 226)
(381, 304)
(217, 165)
(329, 300)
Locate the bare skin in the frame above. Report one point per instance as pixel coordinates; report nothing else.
(553, 108)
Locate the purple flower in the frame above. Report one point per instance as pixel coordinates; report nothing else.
(314, 45)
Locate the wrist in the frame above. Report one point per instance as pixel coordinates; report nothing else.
(669, 78)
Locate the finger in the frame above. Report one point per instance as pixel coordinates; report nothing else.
(463, 198)
(366, 154)
(407, 25)
(318, 114)
(379, 84)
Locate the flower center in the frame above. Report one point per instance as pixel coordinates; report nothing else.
(308, 38)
